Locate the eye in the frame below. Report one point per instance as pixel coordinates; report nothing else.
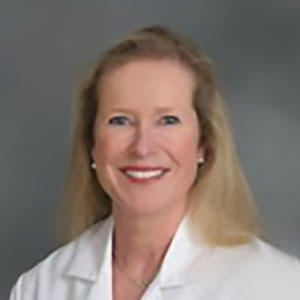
(170, 120)
(119, 121)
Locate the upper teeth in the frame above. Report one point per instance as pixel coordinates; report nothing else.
(144, 174)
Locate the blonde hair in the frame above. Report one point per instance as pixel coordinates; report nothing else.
(221, 209)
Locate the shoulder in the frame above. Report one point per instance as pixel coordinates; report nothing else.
(59, 260)
(264, 272)
(271, 260)
(53, 270)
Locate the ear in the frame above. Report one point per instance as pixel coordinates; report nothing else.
(93, 153)
(201, 152)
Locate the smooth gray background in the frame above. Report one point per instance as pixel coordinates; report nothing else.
(46, 45)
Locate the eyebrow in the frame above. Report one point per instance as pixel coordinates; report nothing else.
(164, 109)
(158, 110)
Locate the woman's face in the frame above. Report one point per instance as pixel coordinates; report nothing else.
(146, 136)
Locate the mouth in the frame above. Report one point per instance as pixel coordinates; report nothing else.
(144, 174)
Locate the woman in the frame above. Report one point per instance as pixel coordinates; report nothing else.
(160, 206)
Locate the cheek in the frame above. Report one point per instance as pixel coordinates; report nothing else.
(109, 147)
(183, 145)
(185, 153)
(104, 153)
(104, 150)
(188, 146)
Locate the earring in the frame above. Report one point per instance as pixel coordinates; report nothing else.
(200, 160)
(93, 166)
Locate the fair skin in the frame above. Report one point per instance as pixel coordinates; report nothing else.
(146, 149)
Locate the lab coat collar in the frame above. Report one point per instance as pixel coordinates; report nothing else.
(92, 256)
(184, 258)
(92, 252)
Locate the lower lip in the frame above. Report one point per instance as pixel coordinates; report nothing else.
(144, 180)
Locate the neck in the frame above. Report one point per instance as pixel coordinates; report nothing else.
(141, 241)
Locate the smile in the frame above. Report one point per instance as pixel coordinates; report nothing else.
(143, 173)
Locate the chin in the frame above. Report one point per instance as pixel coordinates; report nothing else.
(141, 208)
(147, 207)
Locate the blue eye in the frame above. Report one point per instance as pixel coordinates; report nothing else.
(119, 121)
(170, 120)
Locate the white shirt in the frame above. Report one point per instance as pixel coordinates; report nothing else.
(83, 270)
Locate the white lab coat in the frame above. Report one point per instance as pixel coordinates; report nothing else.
(190, 271)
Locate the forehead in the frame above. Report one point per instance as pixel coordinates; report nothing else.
(147, 82)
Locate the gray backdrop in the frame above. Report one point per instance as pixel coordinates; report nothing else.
(46, 45)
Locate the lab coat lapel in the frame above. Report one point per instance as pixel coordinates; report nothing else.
(92, 260)
(180, 268)
(183, 259)
(197, 267)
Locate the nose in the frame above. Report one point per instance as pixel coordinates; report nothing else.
(143, 141)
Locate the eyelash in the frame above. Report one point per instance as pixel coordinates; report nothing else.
(119, 121)
(174, 120)
(123, 120)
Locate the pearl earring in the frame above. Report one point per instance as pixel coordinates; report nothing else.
(200, 160)
(93, 166)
